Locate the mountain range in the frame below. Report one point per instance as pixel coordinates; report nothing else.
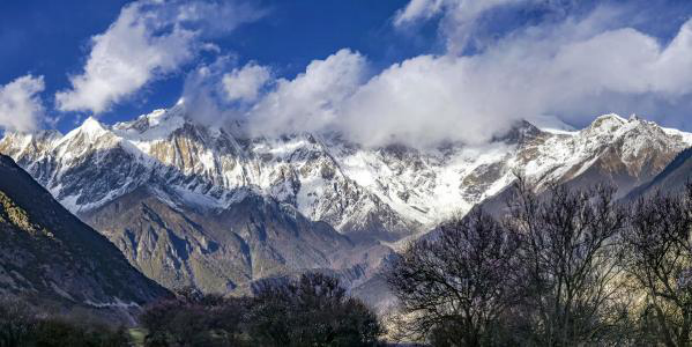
(214, 207)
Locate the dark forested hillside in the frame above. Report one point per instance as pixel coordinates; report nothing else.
(50, 258)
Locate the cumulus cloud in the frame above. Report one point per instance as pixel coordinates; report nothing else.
(205, 96)
(574, 70)
(313, 100)
(245, 84)
(568, 71)
(20, 106)
(561, 71)
(148, 40)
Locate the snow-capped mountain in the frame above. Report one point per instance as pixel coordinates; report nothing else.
(354, 189)
(371, 195)
(204, 167)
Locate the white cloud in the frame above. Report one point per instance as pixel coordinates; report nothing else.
(430, 99)
(459, 17)
(20, 106)
(417, 10)
(205, 96)
(309, 102)
(245, 84)
(148, 40)
(575, 70)
(572, 70)
(673, 68)
(312, 101)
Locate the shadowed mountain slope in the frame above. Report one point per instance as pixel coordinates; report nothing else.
(49, 257)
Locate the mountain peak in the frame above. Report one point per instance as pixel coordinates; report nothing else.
(520, 132)
(155, 117)
(156, 125)
(634, 118)
(92, 124)
(608, 120)
(606, 125)
(165, 176)
(91, 128)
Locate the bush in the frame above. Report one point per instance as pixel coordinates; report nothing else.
(21, 326)
(312, 311)
(61, 332)
(194, 319)
(16, 323)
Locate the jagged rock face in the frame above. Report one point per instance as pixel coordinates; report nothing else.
(163, 186)
(673, 179)
(49, 257)
(194, 165)
(623, 153)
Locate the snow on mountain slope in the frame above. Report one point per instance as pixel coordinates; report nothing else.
(382, 193)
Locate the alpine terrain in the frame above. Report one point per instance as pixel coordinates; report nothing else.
(192, 204)
(51, 259)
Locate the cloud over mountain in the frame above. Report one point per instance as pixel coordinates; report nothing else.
(245, 84)
(20, 107)
(497, 62)
(148, 40)
(570, 69)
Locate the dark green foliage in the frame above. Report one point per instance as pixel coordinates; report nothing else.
(58, 332)
(16, 324)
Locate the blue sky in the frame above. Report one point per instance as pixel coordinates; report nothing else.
(52, 38)
(420, 71)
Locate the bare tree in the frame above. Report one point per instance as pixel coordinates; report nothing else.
(192, 318)
(314, 310)
(569, 251)
(454, 288)
(660, 262)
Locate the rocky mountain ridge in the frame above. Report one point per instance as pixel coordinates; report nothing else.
(164, 187)
(352, 188)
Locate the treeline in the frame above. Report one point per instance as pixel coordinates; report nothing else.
(563, 268)
(566, 268)
(22, 325)
(313, 310)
